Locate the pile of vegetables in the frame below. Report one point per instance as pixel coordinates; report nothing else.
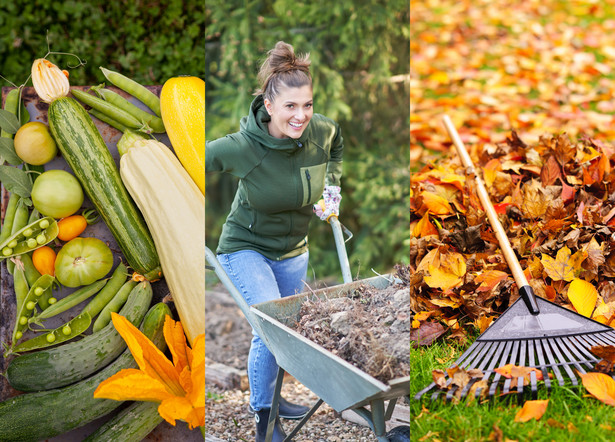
(153, 205)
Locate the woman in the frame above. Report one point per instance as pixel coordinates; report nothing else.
(286, 158)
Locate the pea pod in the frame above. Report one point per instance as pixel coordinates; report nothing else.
(154, 122)
(115, 304)
(65, 332)
(69, 301)
(25, 311)
(107, 119)
(107, 108)
(19, 222)
(31, 276)
(9, 215)
(135, 89)
(20, 285)
(117, 280)
(30, 237)
(11, 104)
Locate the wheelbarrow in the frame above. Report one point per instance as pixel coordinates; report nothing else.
(335, 381)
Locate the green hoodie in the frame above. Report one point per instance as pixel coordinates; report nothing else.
(279, 181)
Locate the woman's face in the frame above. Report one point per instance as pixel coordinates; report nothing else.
(291, 111)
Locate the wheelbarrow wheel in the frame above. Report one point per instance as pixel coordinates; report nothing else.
(399, 434)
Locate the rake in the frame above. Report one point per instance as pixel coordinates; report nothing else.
(532, 332)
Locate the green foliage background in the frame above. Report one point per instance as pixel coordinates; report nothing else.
(149, 41)
(360, 64)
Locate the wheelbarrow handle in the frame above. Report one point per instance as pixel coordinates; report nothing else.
(509, 254)
(340, 245)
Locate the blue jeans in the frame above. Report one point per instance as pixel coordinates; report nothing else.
(260, 279)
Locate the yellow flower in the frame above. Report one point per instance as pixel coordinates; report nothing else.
(48, 80)
(178, 386)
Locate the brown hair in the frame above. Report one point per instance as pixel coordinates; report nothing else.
(283, 68)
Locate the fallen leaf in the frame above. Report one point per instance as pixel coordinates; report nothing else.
(436, 204)
(532, 410)
(427, 333)
(489, 280)
(439, 378)
(583, 296)
(600, 386)
(424, 228)
(563, 267)
(448, 273)
(553, 423)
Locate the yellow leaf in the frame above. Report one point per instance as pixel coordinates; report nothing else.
(583, 296)
(600, 386)
(563, 267)
(436, 204)
(490, 171)
(532, 410)
(449, 273)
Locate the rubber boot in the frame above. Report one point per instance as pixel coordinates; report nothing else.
(262, 419)
(288, 410)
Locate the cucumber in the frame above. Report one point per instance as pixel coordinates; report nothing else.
(60, 366)
(44, 414)
(132, 424)
(87, 155)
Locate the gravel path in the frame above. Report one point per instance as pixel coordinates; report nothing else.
(228, 336)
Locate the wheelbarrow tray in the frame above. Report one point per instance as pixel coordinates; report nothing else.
(336, 381)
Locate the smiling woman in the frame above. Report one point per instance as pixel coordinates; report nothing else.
(286, 158)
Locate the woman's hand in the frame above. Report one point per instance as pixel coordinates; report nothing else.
(329, 205)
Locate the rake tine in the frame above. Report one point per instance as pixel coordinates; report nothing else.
(553, 362)
(502, 355)
(520, 381)
(532, 363)
(568, 348)
(512, 360)
(543, 367)
(566, 358)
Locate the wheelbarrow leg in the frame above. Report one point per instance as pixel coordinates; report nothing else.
(273, 414)
(304, 420)
(375, 418)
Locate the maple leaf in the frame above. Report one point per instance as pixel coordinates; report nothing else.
(427, 333)
(550, 172)
(424, 227)
(448, 273)
(532, 410)
(534, 203)
(600, 386)
(583, 296)
(489, 280)
(563, 267)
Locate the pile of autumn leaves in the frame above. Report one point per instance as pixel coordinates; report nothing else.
(555, 199)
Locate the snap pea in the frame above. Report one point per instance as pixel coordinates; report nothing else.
(29, 238)
(154, 122)
(69, 301)
(114, 305)
(107, 119)
(31, 276)
(26, 310)
(107, 108)
(108, 292)
(9, 215)
(11, 104)
(20, 285)
(135, 89)
(19, 222)
(63, 333)
(34, 216)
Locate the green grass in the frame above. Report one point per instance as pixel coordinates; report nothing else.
(570, 416)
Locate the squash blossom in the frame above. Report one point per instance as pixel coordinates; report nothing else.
(178, 386)
(49, 81)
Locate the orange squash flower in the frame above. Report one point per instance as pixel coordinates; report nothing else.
(178, 386)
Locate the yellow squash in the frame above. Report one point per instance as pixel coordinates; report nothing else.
(182, 107)
(174, 210)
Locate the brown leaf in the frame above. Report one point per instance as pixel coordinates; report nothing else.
(426, 333)
(534, 202)
(439, 378)
(550, 172)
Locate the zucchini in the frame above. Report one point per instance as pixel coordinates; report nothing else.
(132, 424)
(86, 153)
(44, 414)
(63, 365)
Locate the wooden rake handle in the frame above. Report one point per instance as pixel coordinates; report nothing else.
(511, 259)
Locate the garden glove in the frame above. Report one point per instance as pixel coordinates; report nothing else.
(329, 205)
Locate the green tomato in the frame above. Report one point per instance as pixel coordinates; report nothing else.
(82, 261)
(57, 193)
(34, 144)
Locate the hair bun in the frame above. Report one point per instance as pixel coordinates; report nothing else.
(282, 66)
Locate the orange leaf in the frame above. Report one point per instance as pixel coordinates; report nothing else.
(424, 228)
(449, 273)
(600, 386)
(436, 204)
(583, 296)
(490, 171)
(489, 280)
(532, 410)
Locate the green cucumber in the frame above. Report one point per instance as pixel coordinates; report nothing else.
(132, 424)
(89, 158)
(71, 362)
(45, 414)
